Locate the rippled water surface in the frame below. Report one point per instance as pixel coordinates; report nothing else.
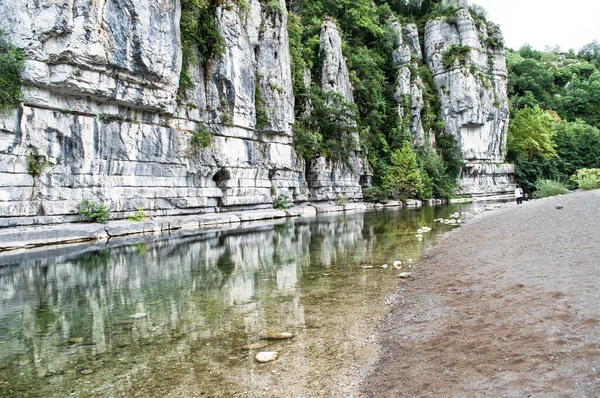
(150, 316)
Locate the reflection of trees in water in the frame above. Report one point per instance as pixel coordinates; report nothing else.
(96, 259)
(226, 265)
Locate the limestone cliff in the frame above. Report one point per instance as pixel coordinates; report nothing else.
(467, 59)
(104, 119)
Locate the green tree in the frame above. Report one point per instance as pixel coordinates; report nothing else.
(591, 53)
(530, 134)
(330, 128)
(403, 176)
(577, 147)
(532, 76)
(581, 99)
(436, 174)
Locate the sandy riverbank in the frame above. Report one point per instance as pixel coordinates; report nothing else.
(506, 306)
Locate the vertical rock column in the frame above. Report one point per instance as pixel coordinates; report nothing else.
(409, 86)
(467, 60)
(327, 180)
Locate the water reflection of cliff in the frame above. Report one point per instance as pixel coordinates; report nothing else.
(228, 286)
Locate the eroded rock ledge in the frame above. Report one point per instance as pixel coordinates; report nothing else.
(17, 239)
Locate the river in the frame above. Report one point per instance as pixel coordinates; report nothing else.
(149, 316)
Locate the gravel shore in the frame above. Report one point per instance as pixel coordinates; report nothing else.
(506, 306)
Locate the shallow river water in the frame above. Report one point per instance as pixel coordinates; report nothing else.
(150, 316)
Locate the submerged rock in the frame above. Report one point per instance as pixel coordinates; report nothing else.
(278, 336)
(266, 356)
(405, 275)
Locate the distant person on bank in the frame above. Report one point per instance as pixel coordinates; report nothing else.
(519, 195)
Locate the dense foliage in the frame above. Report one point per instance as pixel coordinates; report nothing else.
(12, 61)
(403, 178)
(554, 119)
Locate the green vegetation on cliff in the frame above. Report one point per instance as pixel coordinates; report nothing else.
(200, 36)
(369, 42)
(12, 61)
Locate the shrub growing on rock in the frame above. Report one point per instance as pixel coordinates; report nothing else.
(93, 212)
(282, 202)
(403, 177)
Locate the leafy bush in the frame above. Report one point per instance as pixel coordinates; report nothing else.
(93, 212)
(36, 163)
(546, 188)
(441, 180)
(341, 200)
(587, 179)
(529, 170)
(139, 215)
(589, 182)
(282, 202)
(201, 139)
(454, 53)
(375, 194)
(271, 7)
(12, 62)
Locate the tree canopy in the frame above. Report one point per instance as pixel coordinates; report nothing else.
(552, 85)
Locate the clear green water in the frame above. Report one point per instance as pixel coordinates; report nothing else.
(147, 317)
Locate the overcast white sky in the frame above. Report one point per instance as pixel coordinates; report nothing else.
(569, 24)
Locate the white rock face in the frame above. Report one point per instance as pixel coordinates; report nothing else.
(335, 76)
(101, 114)
(473, 96)
(100, 85)
(126, 52)
(409, 86)
(409, 48)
